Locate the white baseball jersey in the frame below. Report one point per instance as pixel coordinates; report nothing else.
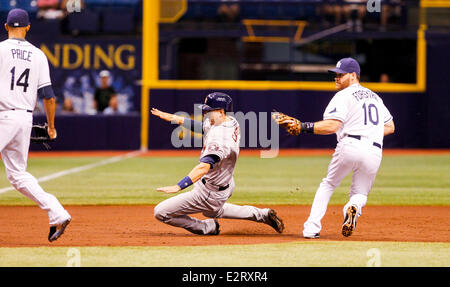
(222, 140)
(23, 70)
(361, 111)
(363, 114)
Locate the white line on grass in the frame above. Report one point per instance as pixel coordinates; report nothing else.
(80, 168)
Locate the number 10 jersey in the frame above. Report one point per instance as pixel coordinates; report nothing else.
(361, 111)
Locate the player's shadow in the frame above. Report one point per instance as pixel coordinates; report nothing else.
(259, 235)
(232, 234)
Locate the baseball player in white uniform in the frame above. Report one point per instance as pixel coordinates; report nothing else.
(213, 176)
(24, 74)
(360, 120)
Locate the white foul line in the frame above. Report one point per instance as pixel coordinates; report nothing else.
(80, 168)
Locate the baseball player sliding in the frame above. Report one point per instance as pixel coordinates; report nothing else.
(213, 176)
(360, 120)
(24, 74)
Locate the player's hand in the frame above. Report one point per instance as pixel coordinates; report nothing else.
(169, 189)
(52, 133)
(167, 117)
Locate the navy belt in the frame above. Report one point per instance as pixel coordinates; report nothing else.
(219, 187)
(359, 138)
(28, 111)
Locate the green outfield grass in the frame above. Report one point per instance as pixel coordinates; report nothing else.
(296, 254)
(402, 180)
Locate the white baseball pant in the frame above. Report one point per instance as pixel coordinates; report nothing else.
(15, 132)
(359, 156)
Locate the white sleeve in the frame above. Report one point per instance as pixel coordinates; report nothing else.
(217, 144)
(44, 72)
(336, 109)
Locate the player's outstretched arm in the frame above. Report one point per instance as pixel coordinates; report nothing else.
(167, 117)
(327, 127)
(294, 126)
(196, 173)
(195, 126)
(199, 171)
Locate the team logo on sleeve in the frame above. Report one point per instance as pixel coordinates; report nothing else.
(213, 147)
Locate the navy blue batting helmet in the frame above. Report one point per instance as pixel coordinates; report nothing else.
(217, 101)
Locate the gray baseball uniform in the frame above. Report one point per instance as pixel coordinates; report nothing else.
(210, 193)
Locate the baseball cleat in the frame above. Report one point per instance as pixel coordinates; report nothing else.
(217, 231)
(311, 236)
(58, 230)
(275, 221)
(350, 221)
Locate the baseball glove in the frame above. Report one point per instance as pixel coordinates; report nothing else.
(39, 134)
(290, 124)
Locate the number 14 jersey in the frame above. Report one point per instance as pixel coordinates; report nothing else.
(23, 70)
(361, 111)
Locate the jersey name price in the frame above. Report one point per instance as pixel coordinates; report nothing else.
(21, 54)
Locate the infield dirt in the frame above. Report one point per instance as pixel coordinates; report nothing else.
(27, 226)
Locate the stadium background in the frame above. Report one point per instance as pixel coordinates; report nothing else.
(191, 50)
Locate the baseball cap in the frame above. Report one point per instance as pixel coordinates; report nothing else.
(104, 73)
(18, 18)
(346, 65)
(216, 101)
